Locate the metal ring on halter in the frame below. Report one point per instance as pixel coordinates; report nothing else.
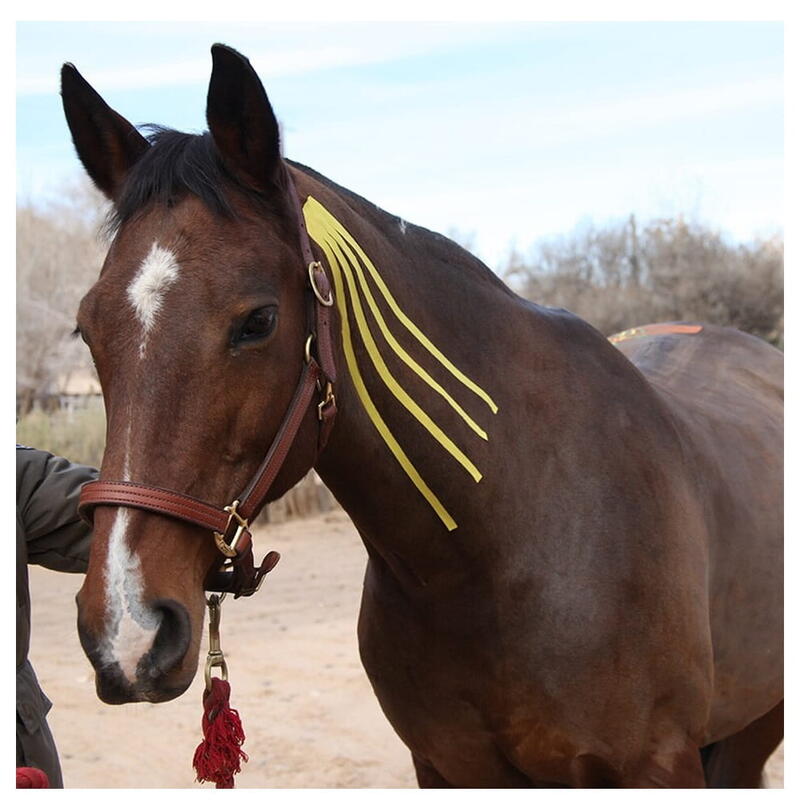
(307, 353)
(312, 267)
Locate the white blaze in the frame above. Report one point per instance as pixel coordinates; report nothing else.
(158, 271)
(131, 624)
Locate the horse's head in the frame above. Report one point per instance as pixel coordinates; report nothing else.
(197, 326)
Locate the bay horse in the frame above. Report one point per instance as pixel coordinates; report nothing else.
(574, 572)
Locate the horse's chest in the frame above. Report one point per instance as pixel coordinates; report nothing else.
(445, 731)
(447, 702)
(455, 718)
(489, 705)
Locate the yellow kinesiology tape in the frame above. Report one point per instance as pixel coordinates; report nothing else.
(346, 257)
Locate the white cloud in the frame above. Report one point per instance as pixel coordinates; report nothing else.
(529, 125)
(655, 109)
(279, 51)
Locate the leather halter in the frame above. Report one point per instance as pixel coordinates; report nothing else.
(235, 571)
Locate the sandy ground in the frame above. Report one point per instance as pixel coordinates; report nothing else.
(309, 713)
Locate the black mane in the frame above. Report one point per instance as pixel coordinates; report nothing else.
(177, 164)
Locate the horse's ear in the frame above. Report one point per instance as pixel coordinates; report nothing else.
(241, 120)
(107, 144)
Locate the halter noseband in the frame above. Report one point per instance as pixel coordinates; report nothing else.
(235, 570)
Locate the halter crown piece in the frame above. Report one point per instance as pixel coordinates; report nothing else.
(235, 571)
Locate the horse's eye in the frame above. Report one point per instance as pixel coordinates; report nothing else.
(258, 325)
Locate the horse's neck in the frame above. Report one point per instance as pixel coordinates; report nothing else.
(413, 396)
(461, 408)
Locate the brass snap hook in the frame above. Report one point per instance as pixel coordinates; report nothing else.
(215, 656)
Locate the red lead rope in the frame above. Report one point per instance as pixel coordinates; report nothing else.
(31, 778)
(218, 757)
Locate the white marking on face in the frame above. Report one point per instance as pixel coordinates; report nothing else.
(131, 625)
(402, 226)
(158, 271)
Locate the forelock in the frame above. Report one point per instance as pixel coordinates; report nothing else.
(177, 164)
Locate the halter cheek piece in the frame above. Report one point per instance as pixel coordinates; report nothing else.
(235, 570)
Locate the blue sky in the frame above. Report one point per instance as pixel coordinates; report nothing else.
(504, 131)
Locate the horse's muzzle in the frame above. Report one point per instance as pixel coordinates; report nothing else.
(160, 673)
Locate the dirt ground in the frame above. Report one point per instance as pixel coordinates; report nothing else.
(309, 713)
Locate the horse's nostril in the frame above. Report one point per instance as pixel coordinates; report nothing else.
(171, 642)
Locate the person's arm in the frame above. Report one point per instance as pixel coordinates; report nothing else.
(48, 488)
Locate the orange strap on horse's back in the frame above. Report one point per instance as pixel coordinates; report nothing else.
(656, 329)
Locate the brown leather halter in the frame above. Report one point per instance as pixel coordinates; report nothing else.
(235, 570)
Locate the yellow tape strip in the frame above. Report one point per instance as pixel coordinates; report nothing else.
(361, 389)
(380, 366)
(315, 210)
(344, 248)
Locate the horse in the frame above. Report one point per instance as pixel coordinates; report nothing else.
(574, 573)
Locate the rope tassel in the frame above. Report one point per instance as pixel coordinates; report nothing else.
(218, 757)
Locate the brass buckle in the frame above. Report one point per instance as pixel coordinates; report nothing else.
(330, 397)
(229, 550)
(312, 268)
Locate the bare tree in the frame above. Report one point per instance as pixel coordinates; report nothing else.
(59, 253)
(626, 274)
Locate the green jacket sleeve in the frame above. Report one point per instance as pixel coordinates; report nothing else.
(48, 488)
